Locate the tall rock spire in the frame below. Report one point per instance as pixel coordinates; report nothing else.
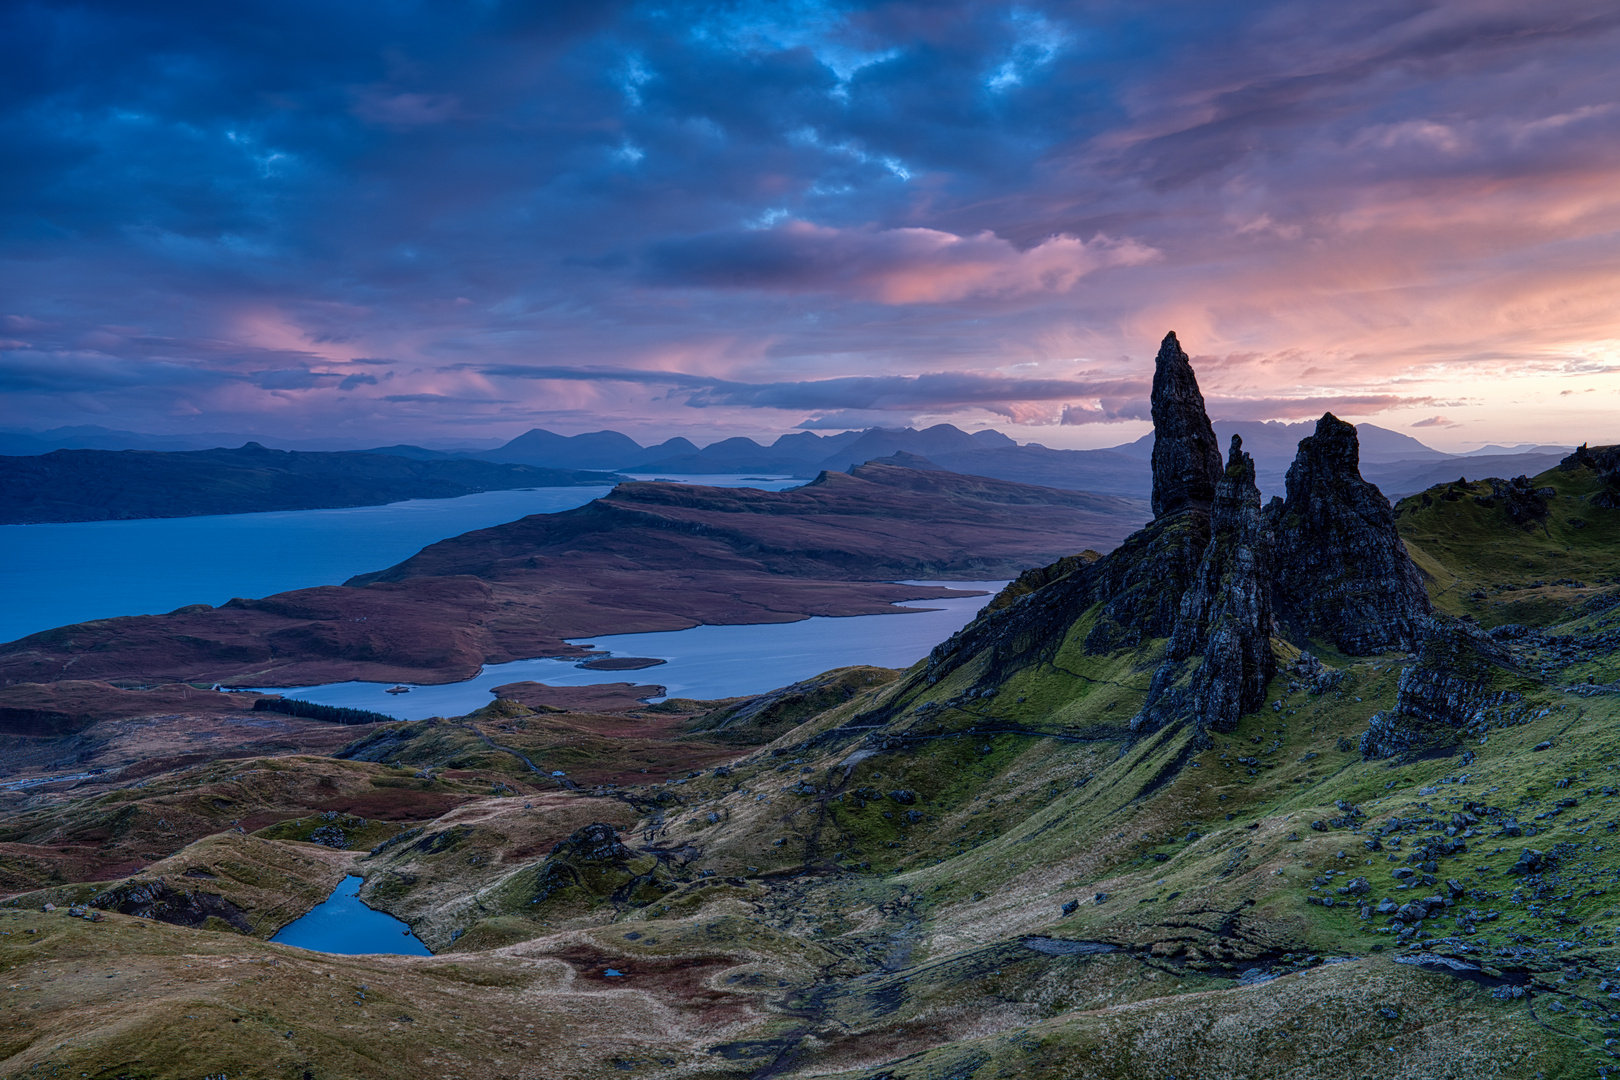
(1224, 623)
(1186, 457)
(1342, 571)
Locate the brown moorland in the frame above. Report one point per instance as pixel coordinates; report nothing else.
(649, 556)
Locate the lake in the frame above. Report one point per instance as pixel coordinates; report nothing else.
(53, 575)
(703, 662)
(342, 924)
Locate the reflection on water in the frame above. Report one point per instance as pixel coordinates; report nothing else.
(702, 662)
(344, 925)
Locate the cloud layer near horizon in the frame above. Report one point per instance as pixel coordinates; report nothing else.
(457, 222)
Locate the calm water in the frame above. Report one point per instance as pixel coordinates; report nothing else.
(344, 925)
(52, 575)
(703, 662)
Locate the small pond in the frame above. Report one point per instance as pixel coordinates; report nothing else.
(344, 925)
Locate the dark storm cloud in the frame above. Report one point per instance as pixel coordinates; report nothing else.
(25, 371)
(808, 203)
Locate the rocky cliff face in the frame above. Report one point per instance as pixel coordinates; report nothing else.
(1139, 585)
(1223, 625)
(1186, 455)
(1228, 609)
(1451, 691)
(1211, 570)
(1342, 572)
(1605, 461)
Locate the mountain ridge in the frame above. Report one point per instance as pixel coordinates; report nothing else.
(105, 485)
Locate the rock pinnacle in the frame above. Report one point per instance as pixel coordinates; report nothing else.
(1186, 457)
(1342, 571)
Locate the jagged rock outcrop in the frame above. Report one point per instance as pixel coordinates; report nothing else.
(1139, 586)
(1209, 574)
(1525, 504)
(157, 900)
(1223, 624)
(1605, 461)
(1458, 678)
(1228, 609)
(1342, 571)
(1040, 577)
(1186, 455)
(1141, 582)
(592, 864)
(595, 843)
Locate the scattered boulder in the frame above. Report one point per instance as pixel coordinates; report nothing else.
(1411, 912)
(1531, 861)
(1311, 675)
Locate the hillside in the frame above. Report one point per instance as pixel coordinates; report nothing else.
(1251, 795)
(646, 557)
(106, 485)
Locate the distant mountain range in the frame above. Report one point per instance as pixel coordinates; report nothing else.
(1399, 464)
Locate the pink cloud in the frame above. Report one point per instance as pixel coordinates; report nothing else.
(892, 266)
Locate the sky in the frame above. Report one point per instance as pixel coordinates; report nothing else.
(451, 222)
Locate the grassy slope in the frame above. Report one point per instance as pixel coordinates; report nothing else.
(1530, 575)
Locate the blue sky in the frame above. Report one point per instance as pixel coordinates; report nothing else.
(435, 222)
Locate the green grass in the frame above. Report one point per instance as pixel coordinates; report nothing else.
(1466, 548)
